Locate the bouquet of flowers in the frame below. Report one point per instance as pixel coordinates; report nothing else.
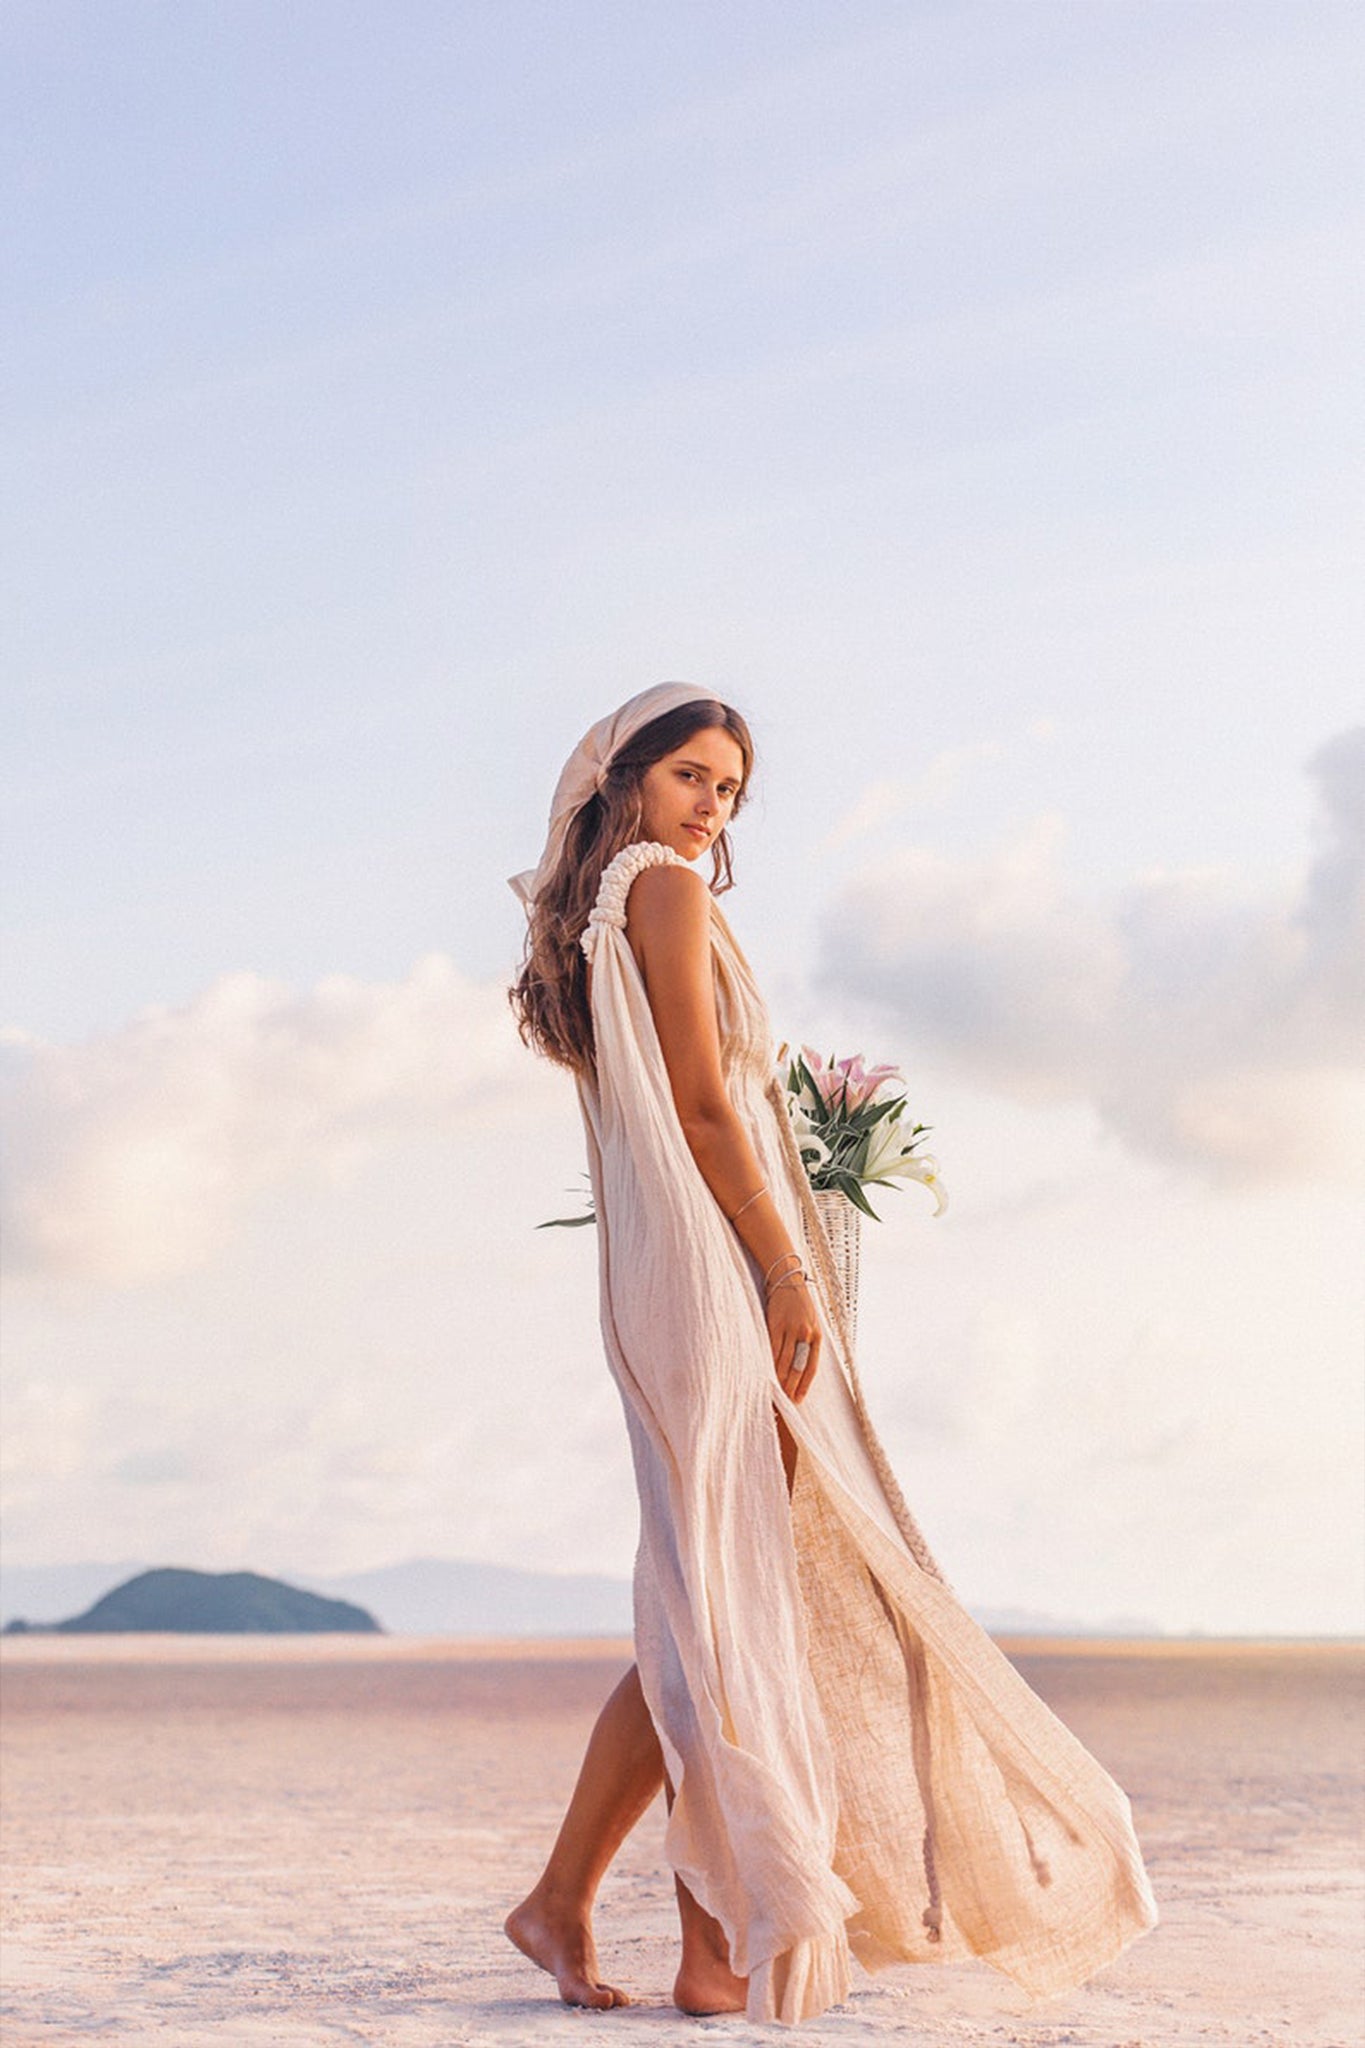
(851, 1131)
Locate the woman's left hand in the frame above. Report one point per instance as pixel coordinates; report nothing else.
(794, 1332)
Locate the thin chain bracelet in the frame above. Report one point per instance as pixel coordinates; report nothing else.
(803, 1277)
(749, 1202)
(780, 1261)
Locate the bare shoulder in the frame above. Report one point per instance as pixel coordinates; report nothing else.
(668, 900)
(668, 924)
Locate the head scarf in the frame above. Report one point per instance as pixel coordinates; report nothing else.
(586, 768)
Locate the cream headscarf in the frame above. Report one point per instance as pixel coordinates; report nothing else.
(585, 771)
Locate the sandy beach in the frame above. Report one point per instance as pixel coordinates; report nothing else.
(308, 1840)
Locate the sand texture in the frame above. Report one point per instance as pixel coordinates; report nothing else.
(313, 1840)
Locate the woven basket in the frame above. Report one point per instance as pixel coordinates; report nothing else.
(843, 1227)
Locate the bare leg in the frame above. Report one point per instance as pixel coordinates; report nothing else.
(705, 1982)
(621, 1773)
(788, 1443)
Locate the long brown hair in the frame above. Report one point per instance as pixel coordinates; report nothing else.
(550, 995)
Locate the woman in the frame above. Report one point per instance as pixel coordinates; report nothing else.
(852, 1766)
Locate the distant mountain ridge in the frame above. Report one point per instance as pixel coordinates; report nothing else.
(174, 1601)
(431, 1596)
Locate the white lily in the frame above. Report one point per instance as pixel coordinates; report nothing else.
(887, 1147)
(814, 1151)
(891, 1157)
(925, 1170)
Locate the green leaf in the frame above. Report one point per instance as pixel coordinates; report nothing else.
(875, 1111)
(848, 1185)
(807, 1081)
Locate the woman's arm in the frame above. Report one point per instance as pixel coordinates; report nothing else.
(668, 925)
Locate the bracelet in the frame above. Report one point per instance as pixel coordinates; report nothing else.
(804, 1278)
(747, 1204)
(781, 1261)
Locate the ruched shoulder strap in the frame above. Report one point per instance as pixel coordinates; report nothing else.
(617, 876)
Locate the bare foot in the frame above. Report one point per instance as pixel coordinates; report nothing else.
(706, 1984)
(565, 1948)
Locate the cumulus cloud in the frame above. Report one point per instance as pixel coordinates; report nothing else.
(132, 1156)
(1202, 1020)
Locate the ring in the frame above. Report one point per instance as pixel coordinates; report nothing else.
(799, 1356)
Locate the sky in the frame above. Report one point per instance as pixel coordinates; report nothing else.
(968, 393)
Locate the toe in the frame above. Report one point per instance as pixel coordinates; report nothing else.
(578, 1991)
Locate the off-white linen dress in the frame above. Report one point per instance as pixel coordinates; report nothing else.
(859, 1770)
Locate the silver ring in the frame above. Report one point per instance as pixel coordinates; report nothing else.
(799, 1356)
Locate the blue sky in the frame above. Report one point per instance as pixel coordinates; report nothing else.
(971, 394)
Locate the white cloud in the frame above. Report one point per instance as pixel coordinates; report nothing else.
(133, 1156)
(1203, 1021)
(1115, 1394)
(400, 1367)
(890, 797)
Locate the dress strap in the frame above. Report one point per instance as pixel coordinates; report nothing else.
(617, 876)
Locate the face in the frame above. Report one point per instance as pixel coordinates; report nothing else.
(688, 796)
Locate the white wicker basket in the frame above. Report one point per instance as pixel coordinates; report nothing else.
(843, 1228)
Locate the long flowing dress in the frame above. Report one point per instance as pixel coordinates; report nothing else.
(858, 1769)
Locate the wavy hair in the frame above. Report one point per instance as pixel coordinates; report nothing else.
(550, 995)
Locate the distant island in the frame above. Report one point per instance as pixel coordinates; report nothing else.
(176, 1602)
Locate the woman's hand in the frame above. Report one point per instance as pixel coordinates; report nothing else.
(792, 1320)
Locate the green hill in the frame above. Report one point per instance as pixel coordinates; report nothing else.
(176, 1602)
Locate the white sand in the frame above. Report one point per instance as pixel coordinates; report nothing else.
(308, 1840)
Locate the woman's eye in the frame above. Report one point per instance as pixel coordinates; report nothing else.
(728, 790)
